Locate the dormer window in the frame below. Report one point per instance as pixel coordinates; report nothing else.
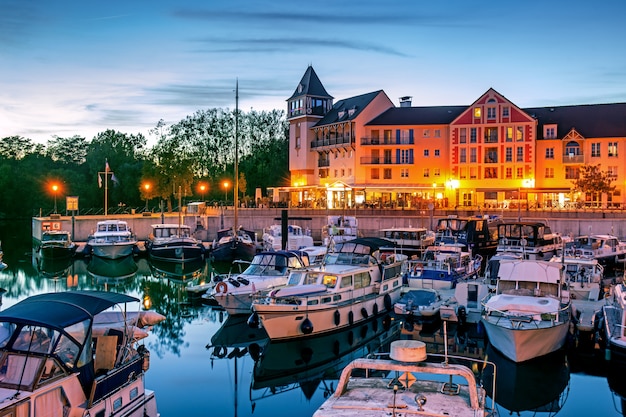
(549, 131)
(341, 114)
(351, 111)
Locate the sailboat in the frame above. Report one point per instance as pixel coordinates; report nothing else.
(234, 243)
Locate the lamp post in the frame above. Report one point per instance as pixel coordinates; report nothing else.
(146, 187)
(202, 190)
(226, 184)
(55, 189)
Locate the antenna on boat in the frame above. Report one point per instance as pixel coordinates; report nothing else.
(236, 185)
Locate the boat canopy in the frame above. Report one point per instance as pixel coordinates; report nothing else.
(364, 245)
(60, 310)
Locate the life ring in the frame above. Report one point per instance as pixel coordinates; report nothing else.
(221, 287)
(419, 269)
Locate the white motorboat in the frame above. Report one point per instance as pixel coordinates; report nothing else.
(58, 356)
(173, 242)
(267, 271)
(612, 324)
(442, 266)
(607, 249)
(297, 238)
(410, 241)
(532, 240)
(352, 284)
(528, 316)
(339, 229)
(583, 276)
(56, 244)
(112, 239)
(406, 384)
(419, 305)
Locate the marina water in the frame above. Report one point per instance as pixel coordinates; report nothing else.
(204, 363)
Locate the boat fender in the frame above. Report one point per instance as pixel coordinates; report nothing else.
(221, 287)
(387, 302)
(375, 309)
(220, 352)
(306, 327)
(351, 318)
(234, 282)
(462, 316)
(243, 280)
(253, 321)
(255, 351)
(337, 317)
(364, 312)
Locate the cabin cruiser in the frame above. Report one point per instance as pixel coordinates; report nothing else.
(112, 239)
(173, 242)
(56, 244)
(297, 237)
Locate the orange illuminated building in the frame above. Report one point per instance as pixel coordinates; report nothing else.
(365, 151)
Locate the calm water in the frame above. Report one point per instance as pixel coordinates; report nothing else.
(204, 363)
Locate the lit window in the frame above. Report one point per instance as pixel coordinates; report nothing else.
(477, 112)
(426, 172)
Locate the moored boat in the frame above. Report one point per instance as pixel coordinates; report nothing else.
(233, 245)
(528, 316)
(267, 271)
(419, 305)
(297, 237)
(353, 283)
(410, 241)
(173, 242)
(54, 356)
(339, 229)
(56, 244)
(607, 249)
(531, 240)
(583, 276)
(407, 384)
(112, 239)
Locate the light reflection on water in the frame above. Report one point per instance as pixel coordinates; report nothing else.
(203, 361)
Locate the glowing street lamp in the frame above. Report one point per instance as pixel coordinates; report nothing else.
(146, 187)
(55, 189)
(226, 185)
(203, 188)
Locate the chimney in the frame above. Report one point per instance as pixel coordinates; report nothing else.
(405, 101)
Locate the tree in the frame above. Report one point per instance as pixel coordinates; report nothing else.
(594, 181)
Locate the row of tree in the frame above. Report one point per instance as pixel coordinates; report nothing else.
(194, 156)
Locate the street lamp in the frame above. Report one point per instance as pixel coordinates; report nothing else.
(226, 184)
(55, 188)
(146, 187)
(202, 190)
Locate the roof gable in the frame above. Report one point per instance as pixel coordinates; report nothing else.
(310, 85)
(492, 97)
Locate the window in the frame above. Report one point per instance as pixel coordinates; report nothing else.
(387, 173)
(595, 149)
(375, 174)
(612, 151)
(404, 173)
(505, 111)
(436, 172)
(437, 152)
(426, 133)
(387, 138)
(520, 172)
(509, 173)
(437, 133)
(491, 155)
(463, 173)
(549, 173)
(519, 134)
(491, 172)
(549, 132)
(426, 172)
(406, 156)
(509, 134)
(473, 157)
(462, 135)
(463, 156)
(473, 134)
(473, 173)
(298, 142)
(477, 112)
(426, 153)
(387, 156)
(520, 154)
(343, 172)
(508, 155)
(336, 173)
(612, 171)
(549, 153)
(491, 135)
(375, 137)
(491, 113)
(571, 173)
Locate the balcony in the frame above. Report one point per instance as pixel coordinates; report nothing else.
(323, 163)
(403, 140)
(376, 160)
(336, 142)
(572, 158)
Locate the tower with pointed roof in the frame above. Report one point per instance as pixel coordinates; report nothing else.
(308, 104)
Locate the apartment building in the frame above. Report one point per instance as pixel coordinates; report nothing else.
(366, 151)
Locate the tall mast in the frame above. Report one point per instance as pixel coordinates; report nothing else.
(236, 197)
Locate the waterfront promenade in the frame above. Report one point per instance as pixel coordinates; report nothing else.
(370, 221)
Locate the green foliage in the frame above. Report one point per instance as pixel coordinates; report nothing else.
(593, 180)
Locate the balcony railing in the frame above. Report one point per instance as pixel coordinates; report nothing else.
(402, 140)
(571, 158)
(336, 141)
(376, 160)
(322, 163)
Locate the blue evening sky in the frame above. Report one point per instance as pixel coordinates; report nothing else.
(80, 67)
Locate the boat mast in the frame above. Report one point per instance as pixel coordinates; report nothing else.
(236, 196)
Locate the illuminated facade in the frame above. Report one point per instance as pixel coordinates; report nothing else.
(365, 151)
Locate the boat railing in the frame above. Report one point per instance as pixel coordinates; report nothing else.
(519, 317)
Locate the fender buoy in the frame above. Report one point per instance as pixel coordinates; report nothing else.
(306, 327)
(221, 287)
(337, 317)
(375, 309)
(351, 318)
(255, 351)
(387, 302)
(253, 321)
(364, 312)
(243, 280)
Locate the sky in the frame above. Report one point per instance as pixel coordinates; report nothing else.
(71, 67)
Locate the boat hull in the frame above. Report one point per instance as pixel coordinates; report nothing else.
(176, 253)
(113, 250)
(527, 341)
(232, 251)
